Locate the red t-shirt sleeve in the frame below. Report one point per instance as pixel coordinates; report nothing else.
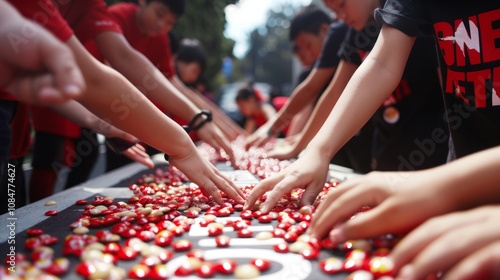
(5, 95)
(155, 48)
(89, 18)
(44, 13)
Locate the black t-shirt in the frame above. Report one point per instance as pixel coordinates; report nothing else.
(329, 53)
(468, 42)
(409, 133)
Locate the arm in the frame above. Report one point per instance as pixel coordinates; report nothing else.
(231, 129)
(322, 109)
(39, 68)
(378, 75)
(154, 85)
(78, 114)
(268, 110)
(114, 99)
(299, 121)
(304, 94)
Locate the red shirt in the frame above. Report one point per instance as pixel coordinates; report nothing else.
(4, 95)
(20, 127)
(155, 48)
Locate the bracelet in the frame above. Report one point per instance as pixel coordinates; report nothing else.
(205, 115)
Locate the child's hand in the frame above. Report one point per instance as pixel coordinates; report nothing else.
(206, 176)
(308, 172)
(259, 137)
(401, 201)
(40, 69)
(459, 244)
(283, 151)
(212, 135)
(138, 153)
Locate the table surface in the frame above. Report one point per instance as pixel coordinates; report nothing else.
(114, 184)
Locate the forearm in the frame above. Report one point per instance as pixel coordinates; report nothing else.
(134, 66)
(80, 115)
(299, 121)
(227, 125)
(304, 94)
(470, 181)
(114, 99)
(326, 103)
(370, 85)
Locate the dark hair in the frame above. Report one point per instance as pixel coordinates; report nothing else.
(191, 50)
(245, 94)
(176, 6)
(309, 19)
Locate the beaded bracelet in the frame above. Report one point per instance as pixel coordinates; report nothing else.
(203, 113)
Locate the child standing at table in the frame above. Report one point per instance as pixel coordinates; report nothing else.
(410, 133)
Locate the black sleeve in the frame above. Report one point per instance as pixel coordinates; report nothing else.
(409, 16)
(329, 53)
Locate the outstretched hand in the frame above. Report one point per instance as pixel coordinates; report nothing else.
(464, 245)
(36, 68)
(207, 177)
(212, 135)
(400, 202)
(308, 172)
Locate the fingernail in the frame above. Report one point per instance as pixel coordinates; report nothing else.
(337, 235)
(72, 89)
(406, 273)
(263, 207)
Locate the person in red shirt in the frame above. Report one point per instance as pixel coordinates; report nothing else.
(111, 96)
(255, 108)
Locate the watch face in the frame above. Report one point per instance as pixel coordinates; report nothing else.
(391, 115)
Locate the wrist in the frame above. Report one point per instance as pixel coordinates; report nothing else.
(200, 119)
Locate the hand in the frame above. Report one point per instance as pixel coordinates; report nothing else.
(39, 68)
(398, 199)
(283, 151)
(459, 244)
(308, 172)
(212, 135)
(293, 139)
(138, 153)
(206, 176)
(259, 137)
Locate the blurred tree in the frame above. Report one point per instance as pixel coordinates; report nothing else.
(269, 58)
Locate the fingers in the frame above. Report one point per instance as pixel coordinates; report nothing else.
(138, 154)
(446, 250)
(426, 233)
(310, 194)
(482, 264)
(225, 145)
(461, 234)
(282, 187)
(229, 188)
(259, 190)
(340, 204)
(61, 63)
